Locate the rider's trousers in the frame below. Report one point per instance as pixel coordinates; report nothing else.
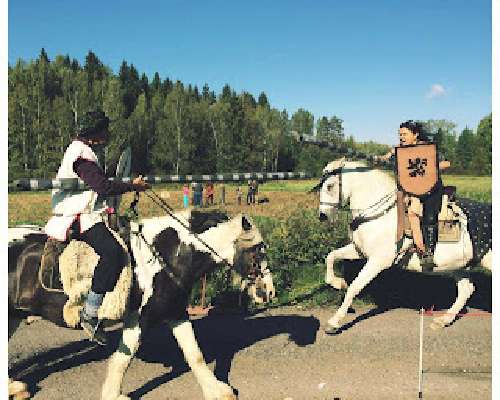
(112, 257)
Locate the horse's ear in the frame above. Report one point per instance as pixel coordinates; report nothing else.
(245, 223)
(342, 162)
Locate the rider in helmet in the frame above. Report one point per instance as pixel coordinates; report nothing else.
(82, 213)
(427, 208)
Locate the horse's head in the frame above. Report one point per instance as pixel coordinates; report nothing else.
(330, 188)
(250, 259)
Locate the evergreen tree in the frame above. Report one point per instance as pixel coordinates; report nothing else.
(156, 83)
(303, 122)
(481, 162)
(464, 154)
(263, 100)
(208, 95)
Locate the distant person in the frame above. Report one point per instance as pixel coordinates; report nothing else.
(209, 195)
(199, 194)
(249, 192)
(255, 189)
(193, 195)
(222, 193)
(185, 195)
(239, 194)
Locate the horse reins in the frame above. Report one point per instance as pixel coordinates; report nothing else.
(157, 200)
(361, 218)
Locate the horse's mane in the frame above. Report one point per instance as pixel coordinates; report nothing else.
(332, 165)
(202, 220)
(355, 164)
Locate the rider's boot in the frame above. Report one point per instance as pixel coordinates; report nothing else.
(89, 320)
(430, 239)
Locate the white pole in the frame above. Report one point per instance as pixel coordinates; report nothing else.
(420, 371)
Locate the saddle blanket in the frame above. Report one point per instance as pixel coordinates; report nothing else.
(478, 224)
(76, 265)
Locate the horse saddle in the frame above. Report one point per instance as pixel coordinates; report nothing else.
(69, 268)
(49, 274)
(448, 217)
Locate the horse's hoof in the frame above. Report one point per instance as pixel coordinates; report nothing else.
(331, 331)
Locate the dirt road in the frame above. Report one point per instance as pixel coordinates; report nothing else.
(281, 354)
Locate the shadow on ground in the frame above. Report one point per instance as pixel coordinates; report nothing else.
(220, 337)
(398, 288)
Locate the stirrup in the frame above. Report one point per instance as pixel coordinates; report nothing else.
(92, 326)
(426, 261)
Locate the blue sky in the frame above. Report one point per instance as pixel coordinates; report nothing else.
(372, 63)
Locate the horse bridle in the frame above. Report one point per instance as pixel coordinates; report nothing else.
(360, 219)
(255, 249)
(324, 177)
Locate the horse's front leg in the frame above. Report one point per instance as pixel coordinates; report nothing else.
(369, 271)
(344, 253)
(212, 388)
(120, 360)
(465, 289)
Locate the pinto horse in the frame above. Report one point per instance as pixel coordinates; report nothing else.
(371, 194)
(169, 259)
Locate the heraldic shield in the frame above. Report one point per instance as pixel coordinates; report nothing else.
(417, 168)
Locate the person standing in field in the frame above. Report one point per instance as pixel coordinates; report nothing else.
(249, 192)
(200, 194)
(239, 194)
(209, 194)
(185, 195)
(222, 194)
(255, 191)
(197, 193)
(193, 193)
(82, 212)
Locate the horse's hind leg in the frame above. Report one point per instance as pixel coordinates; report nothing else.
(370, 270)
(120, 360)
(465, 290)
(344, 253)
(212, 388)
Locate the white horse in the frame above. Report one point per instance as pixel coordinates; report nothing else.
(371, 194)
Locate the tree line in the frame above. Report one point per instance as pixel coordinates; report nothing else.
(469, 151)
(176, 128)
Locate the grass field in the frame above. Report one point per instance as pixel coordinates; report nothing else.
(284, 197)
(298, 242)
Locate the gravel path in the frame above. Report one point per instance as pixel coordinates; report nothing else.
(278, 354)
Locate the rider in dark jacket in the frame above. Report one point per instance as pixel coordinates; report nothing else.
(83, 212)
